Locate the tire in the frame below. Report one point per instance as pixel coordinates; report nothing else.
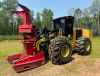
(87, 47)
(58, 46)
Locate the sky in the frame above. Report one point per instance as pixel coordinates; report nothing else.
(59, 7)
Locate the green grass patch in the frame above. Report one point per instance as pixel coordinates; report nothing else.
(8, 37)
(9, 47)
(95, 47)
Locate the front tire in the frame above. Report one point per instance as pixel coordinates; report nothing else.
(60, 50)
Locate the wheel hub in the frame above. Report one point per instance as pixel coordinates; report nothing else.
(88, 47)
(65, 52)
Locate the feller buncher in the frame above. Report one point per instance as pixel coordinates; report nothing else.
(56, 43)
(64, 40)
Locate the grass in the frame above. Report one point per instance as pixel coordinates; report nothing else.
(9, 47)
(95, 47)
(8, 37)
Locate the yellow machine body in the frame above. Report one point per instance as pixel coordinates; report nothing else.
(85, 33)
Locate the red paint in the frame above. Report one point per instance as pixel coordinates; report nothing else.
(31, 58)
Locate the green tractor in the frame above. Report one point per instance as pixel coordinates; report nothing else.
(61, 40)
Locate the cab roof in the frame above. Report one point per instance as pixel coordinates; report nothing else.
(64, 17)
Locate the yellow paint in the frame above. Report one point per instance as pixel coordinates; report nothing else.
(39, 42)
(86, 33)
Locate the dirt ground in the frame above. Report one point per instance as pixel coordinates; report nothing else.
(80, 66)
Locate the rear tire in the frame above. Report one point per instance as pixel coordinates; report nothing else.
(87, 47)
(60, 50)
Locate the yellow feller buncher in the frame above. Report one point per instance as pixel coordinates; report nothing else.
(63, 39)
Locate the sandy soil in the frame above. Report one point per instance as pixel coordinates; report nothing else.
(80, 66)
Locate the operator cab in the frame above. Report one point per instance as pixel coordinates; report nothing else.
(65, 24)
